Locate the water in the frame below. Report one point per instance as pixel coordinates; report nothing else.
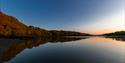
(70, 50)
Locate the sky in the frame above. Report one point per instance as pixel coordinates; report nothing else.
(87, 16)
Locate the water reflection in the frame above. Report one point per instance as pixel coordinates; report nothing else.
(117, 38)
(10, 48)
(9, 52)
(75, 54)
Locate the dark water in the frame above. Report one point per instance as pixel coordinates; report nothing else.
(76, 50)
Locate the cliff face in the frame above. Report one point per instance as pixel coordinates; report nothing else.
(10, 26)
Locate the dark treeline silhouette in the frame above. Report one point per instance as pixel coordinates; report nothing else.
(119, 35)
(10, 27)
(116, 34)
(10, 49)
(62, 33)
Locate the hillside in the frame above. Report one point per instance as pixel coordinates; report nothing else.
(12, 27)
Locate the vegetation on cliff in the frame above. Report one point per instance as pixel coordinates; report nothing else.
(10, 27)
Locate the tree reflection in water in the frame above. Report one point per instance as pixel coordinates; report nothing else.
(9, 52)
(10, 49)
(117, 38)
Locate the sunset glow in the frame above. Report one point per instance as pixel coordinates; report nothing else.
(108, 24)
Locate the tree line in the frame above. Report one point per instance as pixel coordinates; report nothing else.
(118, 34)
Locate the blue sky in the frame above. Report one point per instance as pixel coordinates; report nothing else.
(89, 16)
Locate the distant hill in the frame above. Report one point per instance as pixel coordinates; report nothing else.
(67, 33)
(118, 33)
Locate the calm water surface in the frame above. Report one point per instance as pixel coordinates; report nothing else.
(89, 50)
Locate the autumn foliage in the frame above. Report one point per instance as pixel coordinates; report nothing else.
(12, 27)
